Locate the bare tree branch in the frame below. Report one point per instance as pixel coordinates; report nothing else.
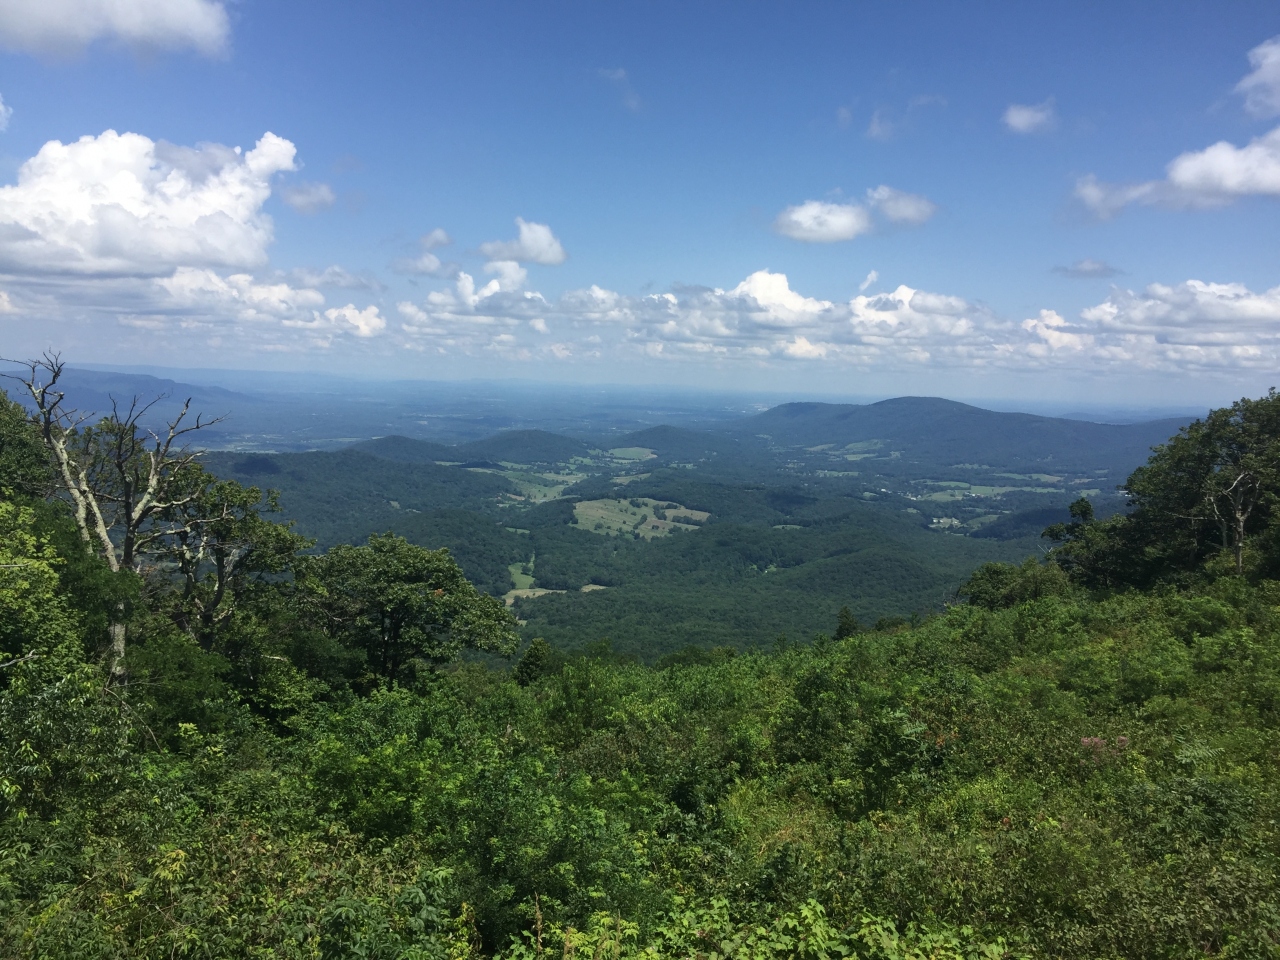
(126, 483)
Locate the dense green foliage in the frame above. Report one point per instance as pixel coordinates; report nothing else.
(773, 559)
(738, 584)
(1206, 499)
(1045, 770)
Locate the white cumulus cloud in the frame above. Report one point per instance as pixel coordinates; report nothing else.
(778, 305)
(1189, 326)
(309, 197)
(761, 319)
(6, 112)
(897, 206)
(1224, 170)
(127, 205)
(801, 349)
(1030, 117)
(1214, 176)
(508, 274)
(1056, 333)
(427, 263)
(365, 323)
(64, 26)
(239, 296)
(816, 222)
(1261, 87)
(535, 244)
(1221, 172)
(435, 239)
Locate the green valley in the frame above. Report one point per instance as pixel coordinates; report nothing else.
(766, 539)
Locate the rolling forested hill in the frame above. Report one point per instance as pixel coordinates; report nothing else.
(525, 446)
(805, 509)
(407, 450)
(944, 432)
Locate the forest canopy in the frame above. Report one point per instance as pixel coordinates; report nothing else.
(219, 742)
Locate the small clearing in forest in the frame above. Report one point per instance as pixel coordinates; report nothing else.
(640, 517)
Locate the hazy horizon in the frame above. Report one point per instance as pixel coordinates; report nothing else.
(294, 382)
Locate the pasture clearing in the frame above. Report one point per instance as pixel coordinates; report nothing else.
(957, 490)
(534, 487)
(632, 453)
(638, 517)
(511, 596)
(1041, 477)
(522, 575)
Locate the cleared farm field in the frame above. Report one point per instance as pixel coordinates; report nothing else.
(632, 453)
(638, 517)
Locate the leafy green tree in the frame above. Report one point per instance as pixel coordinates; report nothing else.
(535, 663)
(224, 549)
(35, 621)
(1206, 494)
(1211, 487)
(399, 602)
(846, 624)
(997, 586)
(24, 464)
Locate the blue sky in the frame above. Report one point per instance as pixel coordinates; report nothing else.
(1067, 201)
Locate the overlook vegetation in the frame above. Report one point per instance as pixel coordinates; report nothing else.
(231, 742)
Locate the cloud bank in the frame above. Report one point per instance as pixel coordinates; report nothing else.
(127, 205)
(165, 239)
(173, 242)
(60, 27)
(1189, 327)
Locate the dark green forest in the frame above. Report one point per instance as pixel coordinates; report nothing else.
(221, 739)
(780, 554)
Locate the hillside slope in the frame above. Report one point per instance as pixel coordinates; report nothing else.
(946, 432)
(523, 446)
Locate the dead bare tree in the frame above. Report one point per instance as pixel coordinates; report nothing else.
(1233, 494)
(123, 480)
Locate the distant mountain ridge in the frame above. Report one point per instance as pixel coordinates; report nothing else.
(946, 430)
(918, 429)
